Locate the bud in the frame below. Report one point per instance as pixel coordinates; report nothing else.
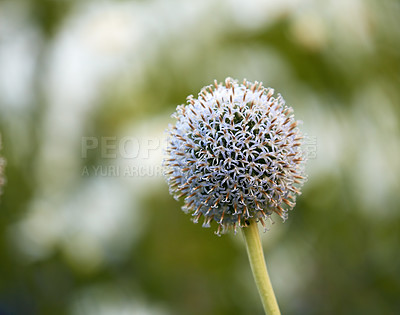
(234, 154)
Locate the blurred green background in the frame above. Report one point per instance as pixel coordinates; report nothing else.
(82, 243)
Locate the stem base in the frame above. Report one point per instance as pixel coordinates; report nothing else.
(259, 268)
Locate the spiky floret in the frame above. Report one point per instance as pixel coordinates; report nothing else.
(235, 154)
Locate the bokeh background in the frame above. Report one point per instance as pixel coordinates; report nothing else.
(81, 243)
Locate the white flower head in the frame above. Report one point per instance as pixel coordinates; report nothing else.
(235, 154)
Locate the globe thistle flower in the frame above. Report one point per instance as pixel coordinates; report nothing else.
(234, 154)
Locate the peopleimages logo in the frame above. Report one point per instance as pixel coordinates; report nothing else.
(133, 156)
(126, 148)
(310, 147)
(139, 157)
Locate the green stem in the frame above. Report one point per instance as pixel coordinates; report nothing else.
(259, 269)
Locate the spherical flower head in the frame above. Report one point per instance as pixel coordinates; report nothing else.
(235, 154)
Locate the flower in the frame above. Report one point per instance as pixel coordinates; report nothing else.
(235, 154)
